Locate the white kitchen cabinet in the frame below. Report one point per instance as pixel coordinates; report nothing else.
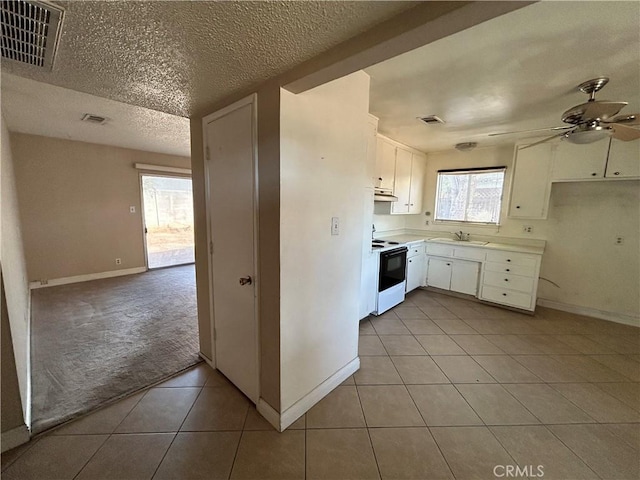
(464, 277)
(624, 159)
(439, 272)
(402, 185)
(416, 190)
(455, 275)
(511, 278)
(573, 162)
(416, 262)
(530, 182)
(409, 184)
(385, 164)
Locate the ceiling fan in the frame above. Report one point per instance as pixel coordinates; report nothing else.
(592, 120)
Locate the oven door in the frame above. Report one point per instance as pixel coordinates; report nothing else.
(393, 265)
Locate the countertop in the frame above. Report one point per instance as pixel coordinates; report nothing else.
(508, 247)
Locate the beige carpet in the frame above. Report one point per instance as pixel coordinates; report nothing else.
(93, 342)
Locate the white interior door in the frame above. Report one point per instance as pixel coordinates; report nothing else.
(231, 179)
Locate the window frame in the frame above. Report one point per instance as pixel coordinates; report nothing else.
(462, 171)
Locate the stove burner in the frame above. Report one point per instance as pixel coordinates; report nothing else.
(377, 246)
(377, 241)
(393, 243)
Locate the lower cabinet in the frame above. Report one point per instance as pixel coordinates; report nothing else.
(511, 279)
(456, 275)
(415, 266)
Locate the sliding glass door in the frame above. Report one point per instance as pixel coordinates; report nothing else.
(168, 216)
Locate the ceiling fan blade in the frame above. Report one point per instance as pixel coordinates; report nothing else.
(631, 119)
(531, 131)
(561, 134)
(602, 110)
(625, 133)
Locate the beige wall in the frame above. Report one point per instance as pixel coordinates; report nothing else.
(323, 136)
(11, 407)
(74, 205)
(584, 218)
(269, 242)
(201, 248)
(14, 271)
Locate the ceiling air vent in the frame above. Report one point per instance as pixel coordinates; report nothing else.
(97, 119)
(30, 31)
(431, 119)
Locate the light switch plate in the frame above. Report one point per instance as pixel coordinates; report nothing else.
(335, 226)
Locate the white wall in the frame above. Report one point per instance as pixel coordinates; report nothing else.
(584, 219)
(323, 175)
(14, 270)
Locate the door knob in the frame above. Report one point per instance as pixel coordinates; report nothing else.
(246, 281)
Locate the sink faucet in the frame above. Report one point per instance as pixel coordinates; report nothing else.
(463, 237)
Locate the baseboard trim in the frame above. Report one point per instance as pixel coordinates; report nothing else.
(14, 437)
(591, 312)
(269, 413)
(85, 278)
(303, 405)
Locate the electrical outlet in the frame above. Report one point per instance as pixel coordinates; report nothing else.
(527, 229)
(118, 261)
(426, 222)
(619, 240)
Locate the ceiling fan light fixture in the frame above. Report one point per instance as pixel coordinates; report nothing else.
(588, 134)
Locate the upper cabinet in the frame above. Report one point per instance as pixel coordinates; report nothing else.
(624, 160)
(401, 169)
(610, 159)
(385, 164)
(580, 162)
(530, 183)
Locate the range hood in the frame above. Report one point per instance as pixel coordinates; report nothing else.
(384, 195)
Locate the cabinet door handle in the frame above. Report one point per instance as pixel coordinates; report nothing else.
(504, 294)
(616, 173)
(380, 178)
(507, 269)
(517, 206)
(594, 174)
(506, 279)
(448, 264)
(508, 259)
(410, 261)
(406, 204)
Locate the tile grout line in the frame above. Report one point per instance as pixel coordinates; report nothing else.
(112, 433)
(178, 430)
(366, 426)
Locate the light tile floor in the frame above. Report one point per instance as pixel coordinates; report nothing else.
(447, 389)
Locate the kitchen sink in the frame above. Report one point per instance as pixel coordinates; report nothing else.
(453, 240)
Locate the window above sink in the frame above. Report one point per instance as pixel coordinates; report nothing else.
(472, 196)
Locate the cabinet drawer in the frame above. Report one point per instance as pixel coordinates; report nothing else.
(506, 280)
(469, 253)
(512, 258)
(415, 250)
(524, 270)
(439, 250)
(506, 297)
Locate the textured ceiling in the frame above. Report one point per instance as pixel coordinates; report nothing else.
(179, 57)
(514, 72)
(40, 109)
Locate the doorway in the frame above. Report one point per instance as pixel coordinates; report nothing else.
(168, 220)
